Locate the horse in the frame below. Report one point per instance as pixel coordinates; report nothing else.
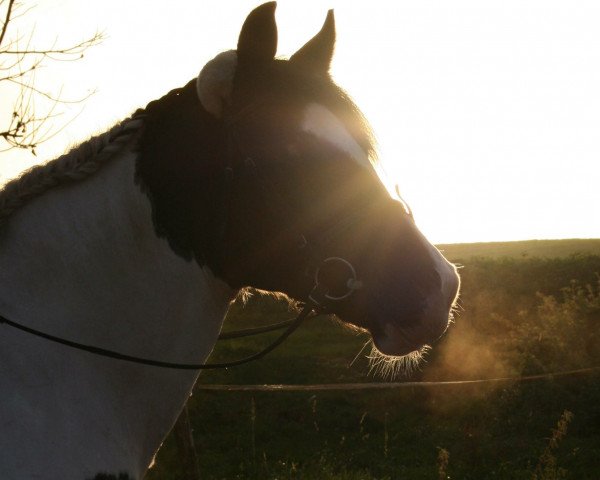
(258, 173)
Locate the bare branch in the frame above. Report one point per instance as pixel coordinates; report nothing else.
(19, 74)
(6, 20)
(47, 95)
(67, 51)
(18, 14)
(12, 65)
(24, 127)
(50, 133)
(11, 42)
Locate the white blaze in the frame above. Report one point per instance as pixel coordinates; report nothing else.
(320, 122)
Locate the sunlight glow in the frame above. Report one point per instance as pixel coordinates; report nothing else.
(486, 113)
(391, 368)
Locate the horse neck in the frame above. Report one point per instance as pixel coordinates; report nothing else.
(84, 262)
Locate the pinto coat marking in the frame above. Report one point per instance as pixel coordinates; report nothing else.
(144, 256)
(101, 275)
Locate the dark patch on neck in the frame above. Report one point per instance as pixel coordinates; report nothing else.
(110, 476)
(247, 223)
(180, 168)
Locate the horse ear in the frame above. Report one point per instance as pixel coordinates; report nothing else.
(258, 38)
(317, 53)
(257, 44)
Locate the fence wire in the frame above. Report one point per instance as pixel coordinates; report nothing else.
(389, 385)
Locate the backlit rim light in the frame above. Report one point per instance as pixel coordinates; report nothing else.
(389, 367)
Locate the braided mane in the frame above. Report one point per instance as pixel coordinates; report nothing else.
(78, 164)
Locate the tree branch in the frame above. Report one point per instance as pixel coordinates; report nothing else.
(6, 20)
(44, 94)
(74, 50)
(19, 63)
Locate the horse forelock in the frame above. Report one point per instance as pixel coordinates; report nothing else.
(78, 164)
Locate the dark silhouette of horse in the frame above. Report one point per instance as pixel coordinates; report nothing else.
(257, 173)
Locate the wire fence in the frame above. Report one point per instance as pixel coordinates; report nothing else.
(391, 385)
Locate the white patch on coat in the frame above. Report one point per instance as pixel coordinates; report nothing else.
(320, 122)
(83, 262)
(215, 82)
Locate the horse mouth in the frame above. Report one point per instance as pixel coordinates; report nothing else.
(396, 343)
(398, 338)
(403, 336)
(394, 340)
(390, 339)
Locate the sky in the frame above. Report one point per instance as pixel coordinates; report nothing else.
(486, 113)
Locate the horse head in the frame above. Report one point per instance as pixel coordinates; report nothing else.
(282, 173)
(303, 190)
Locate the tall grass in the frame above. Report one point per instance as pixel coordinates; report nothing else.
(547, 468)
(443, 458)
(520, 316)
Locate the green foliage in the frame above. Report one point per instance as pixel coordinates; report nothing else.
(547, 469)
(519, 316)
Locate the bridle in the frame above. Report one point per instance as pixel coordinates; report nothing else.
(320, 300)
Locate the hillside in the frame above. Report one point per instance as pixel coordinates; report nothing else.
(522, 249)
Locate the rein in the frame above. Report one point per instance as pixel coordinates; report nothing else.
(318, 301)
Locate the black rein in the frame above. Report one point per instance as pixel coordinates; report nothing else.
(310, 306)
(318, 301)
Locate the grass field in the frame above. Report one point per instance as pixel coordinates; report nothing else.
(522, 249)
(525, 310)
